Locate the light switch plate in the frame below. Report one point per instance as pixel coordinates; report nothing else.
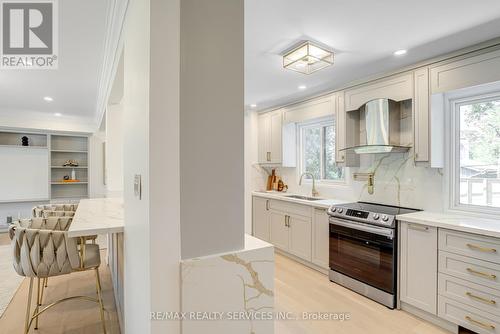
(138, 186)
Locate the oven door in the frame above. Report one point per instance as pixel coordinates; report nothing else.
(364, 252)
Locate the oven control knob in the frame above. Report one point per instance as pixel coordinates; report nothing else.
(333, 209)
(340, 210)
(376, 216)
(385, 218)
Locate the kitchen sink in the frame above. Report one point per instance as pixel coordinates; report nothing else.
(305, 198)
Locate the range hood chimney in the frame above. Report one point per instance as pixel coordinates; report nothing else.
(380, 128)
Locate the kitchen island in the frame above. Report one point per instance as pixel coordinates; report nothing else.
(104, 216)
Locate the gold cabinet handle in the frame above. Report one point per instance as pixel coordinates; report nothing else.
(482, 249)
(286, 217)
(267, 205)
(268, 156)
(488, 301)
(475, 272)
(479, 323)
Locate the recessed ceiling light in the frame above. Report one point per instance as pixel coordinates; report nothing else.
(48, 99)
(253, 105)
(302, 87)
(58, 114)
(400, 52)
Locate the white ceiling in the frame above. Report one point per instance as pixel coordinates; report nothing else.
(363, 33)
(74, 85)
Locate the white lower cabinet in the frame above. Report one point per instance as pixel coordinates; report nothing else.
(261, 218)
(300, 237)
(320, 238)
(451, 274)
(418, 271)
(279, 230)
(286, 225)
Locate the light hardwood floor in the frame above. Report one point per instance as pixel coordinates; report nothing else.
(301, 289)
(297, 289)
(72, 317)
(4, 239)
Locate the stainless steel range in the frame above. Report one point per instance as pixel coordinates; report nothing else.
(363, 249)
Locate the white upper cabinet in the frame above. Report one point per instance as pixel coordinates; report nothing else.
(421, 109)
(313, 109)
(340, 127)
(467, 72)
(270, 137)
(397, 88)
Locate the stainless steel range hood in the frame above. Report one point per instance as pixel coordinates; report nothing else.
(380, 128)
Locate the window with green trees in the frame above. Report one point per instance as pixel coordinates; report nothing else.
(317, 150)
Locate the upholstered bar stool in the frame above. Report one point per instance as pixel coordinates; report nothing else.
(41, 252)
(59, 210)
(68, 209)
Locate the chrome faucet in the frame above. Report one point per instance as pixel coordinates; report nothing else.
(314, 192)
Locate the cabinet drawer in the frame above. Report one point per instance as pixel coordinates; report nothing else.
(290, 208)
(468, 317)
(478, 296)
(476, 246)
(470, 269)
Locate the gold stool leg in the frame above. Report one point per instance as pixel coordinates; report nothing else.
(44, 285)
(46, 282)
(99, 296)
(38, 302)
(28, 308)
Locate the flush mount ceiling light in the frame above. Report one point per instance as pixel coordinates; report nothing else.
(253, 105)
(302, 87)
(58, 114)
(307, 58)
(400, 52)
(48, 99)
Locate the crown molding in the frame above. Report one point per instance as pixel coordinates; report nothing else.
(113, 46)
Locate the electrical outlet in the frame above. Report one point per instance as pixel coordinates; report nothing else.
(138, 186)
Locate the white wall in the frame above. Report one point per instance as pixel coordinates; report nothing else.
(151, 124)
(165, 242)
(251, 157)
(114, 149)
(137, 276)
(212, 172)
(97, 187)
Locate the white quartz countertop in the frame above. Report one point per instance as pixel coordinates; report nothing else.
(459, 222)
(322, 203)
(97, 216)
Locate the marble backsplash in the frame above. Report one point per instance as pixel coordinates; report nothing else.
(397, 182)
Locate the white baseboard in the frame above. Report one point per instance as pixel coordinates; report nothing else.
(451, 327)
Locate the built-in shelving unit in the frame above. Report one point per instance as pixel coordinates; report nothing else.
(14, 139)
(62, 149)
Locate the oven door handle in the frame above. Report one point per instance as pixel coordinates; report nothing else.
(387, 232)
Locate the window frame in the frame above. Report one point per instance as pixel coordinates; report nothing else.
(454, 153)
(314, 123)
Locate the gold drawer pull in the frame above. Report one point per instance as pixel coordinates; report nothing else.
(475, 272)
(488, 301)
(479, 323)
(482, 249)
